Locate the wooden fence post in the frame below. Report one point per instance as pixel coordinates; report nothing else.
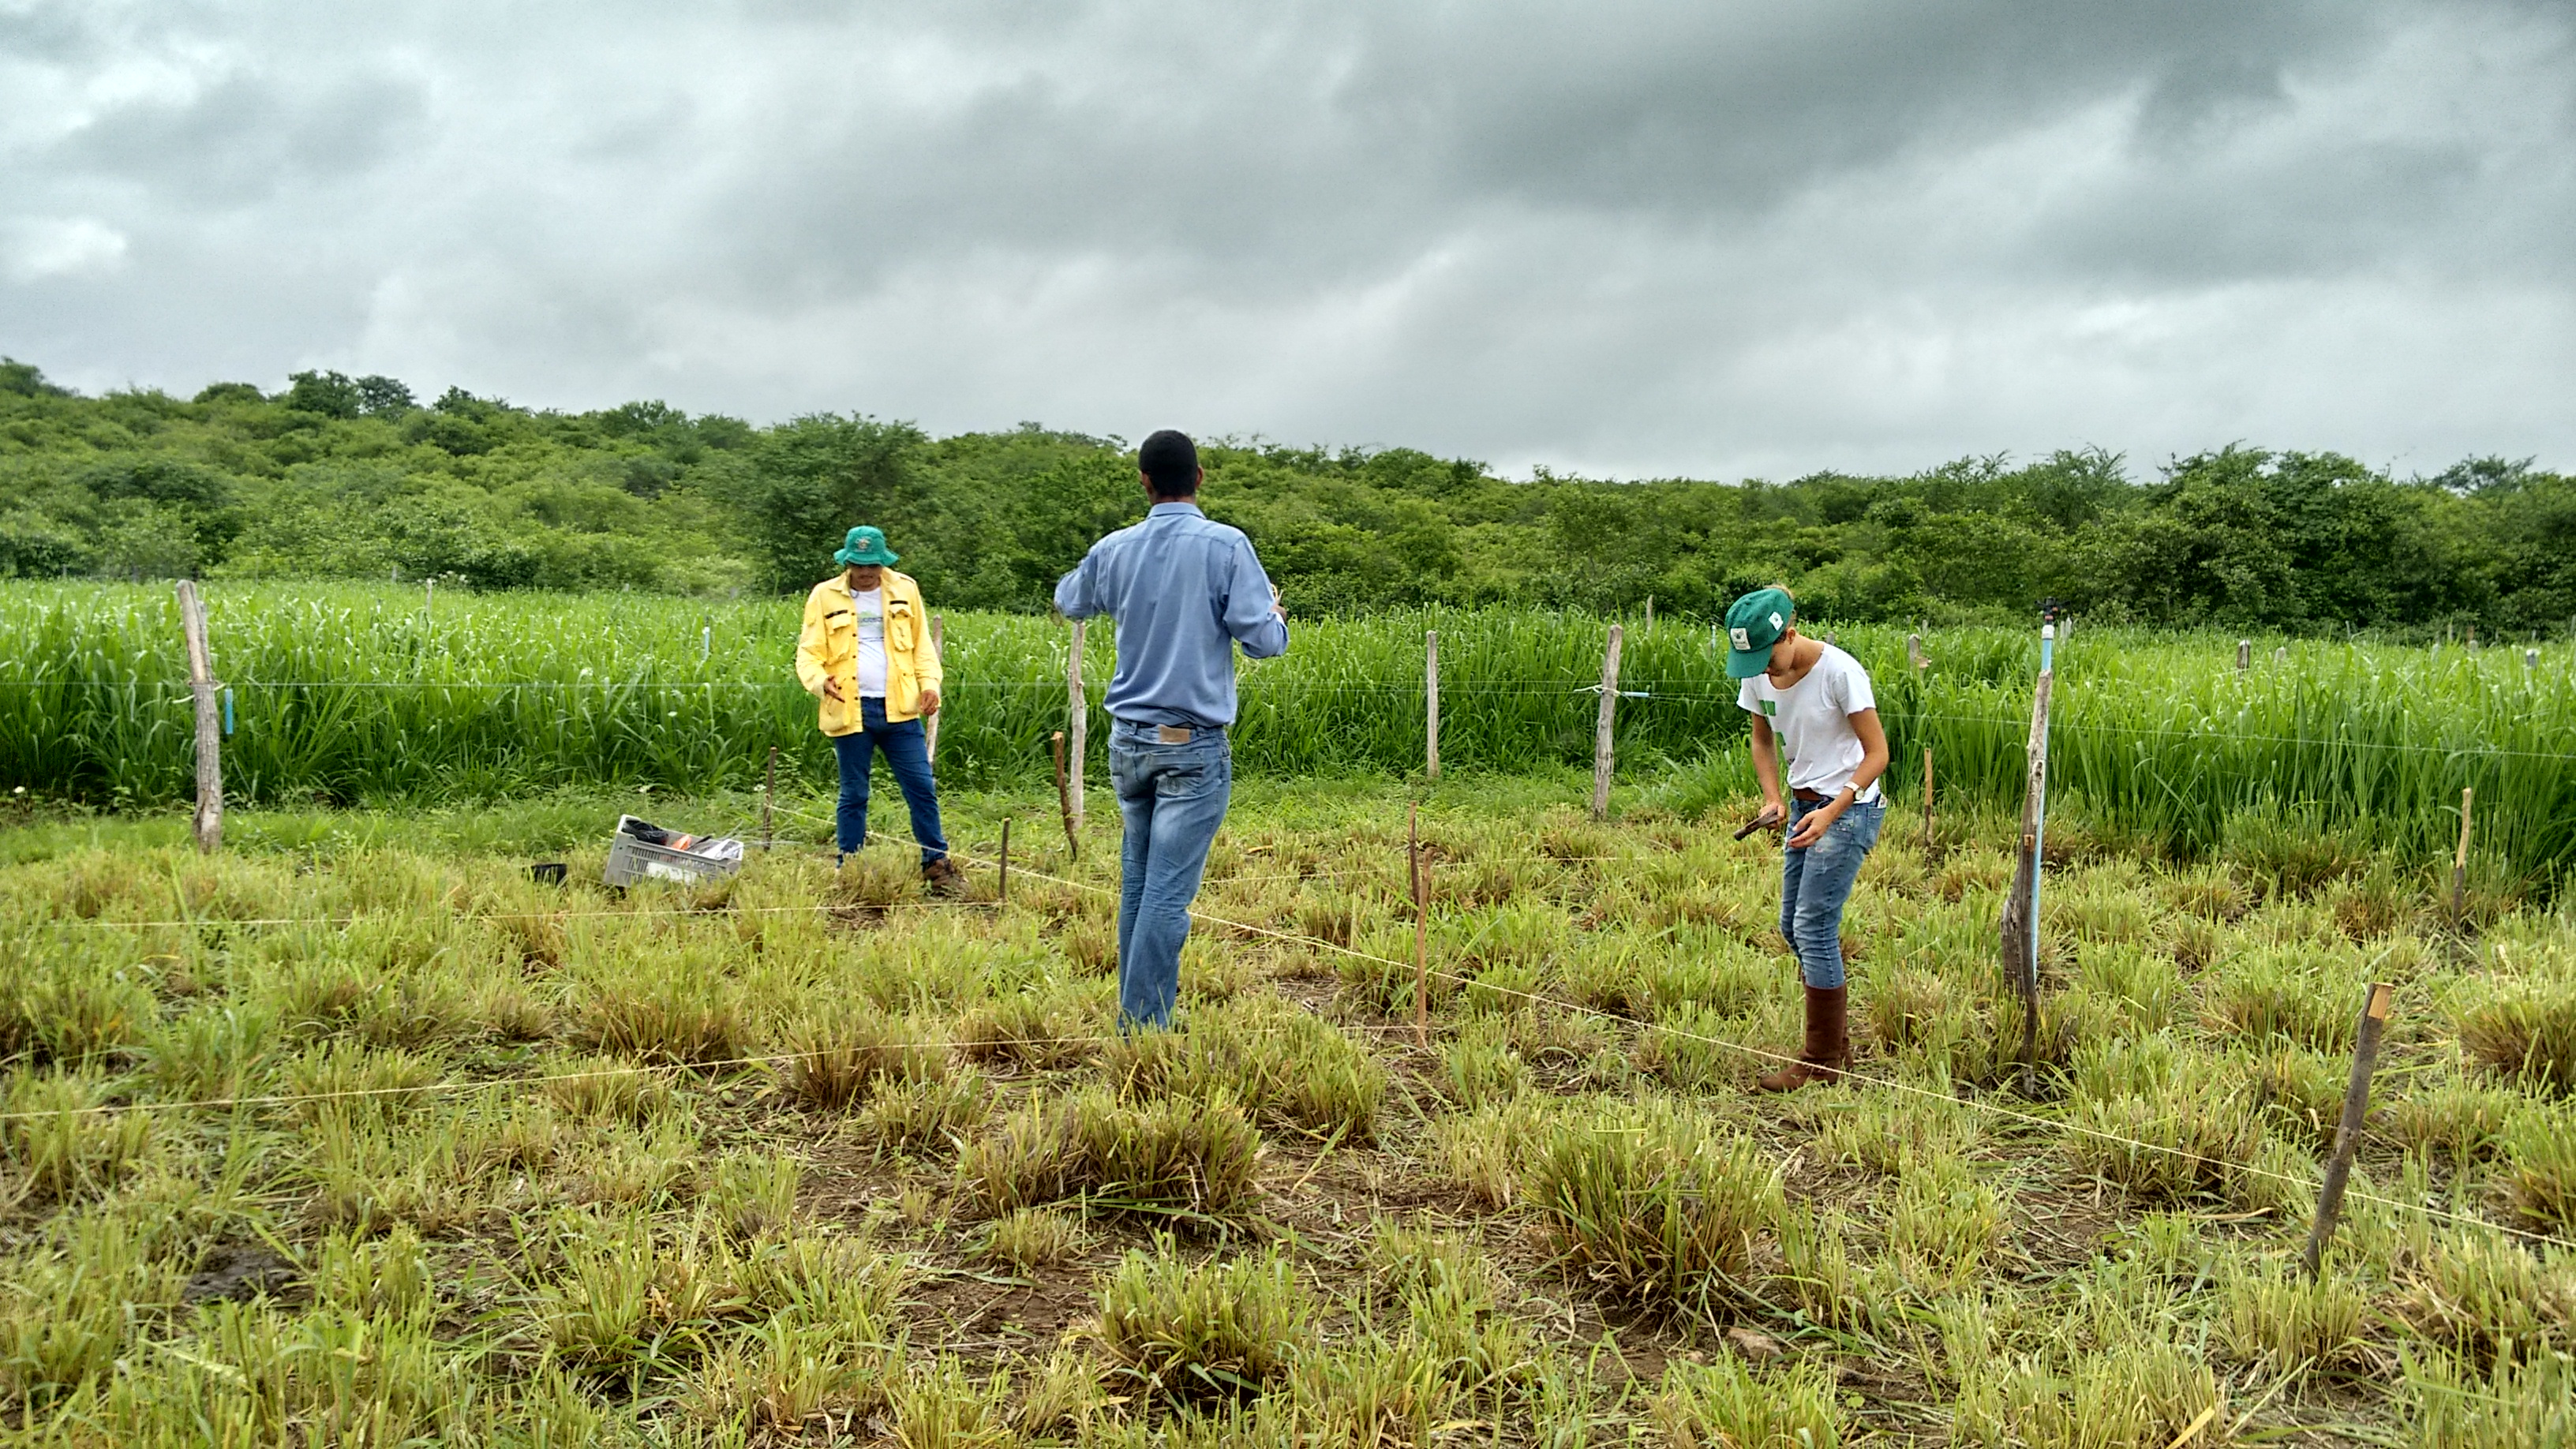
(2244, 655)
(2460, 861)
(1421, 928)
(1928, 837)
(1080, 725)
(2021, 909)
(930, 723)
(1064, 800)
(1601, 754)
(1914, 652)
(1650, 612)
(2280, 655)
(210, 724)
(2356, 1102)
(1002, 889)
(768, 790)
(1431, 704)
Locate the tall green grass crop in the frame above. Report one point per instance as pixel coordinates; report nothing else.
(348, 692)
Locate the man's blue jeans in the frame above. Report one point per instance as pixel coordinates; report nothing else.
(907, 753)
(1172, 798)
(1816, 881)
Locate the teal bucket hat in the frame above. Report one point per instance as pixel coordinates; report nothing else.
(866, 545)
(1753, 624)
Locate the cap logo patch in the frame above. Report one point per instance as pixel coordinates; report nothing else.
(1742, 639)
(1776, 621)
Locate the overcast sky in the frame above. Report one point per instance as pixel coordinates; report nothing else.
(1705, 239)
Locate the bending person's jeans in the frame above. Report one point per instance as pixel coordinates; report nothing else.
(907, 753)
(1172, 798)
(1816, 881)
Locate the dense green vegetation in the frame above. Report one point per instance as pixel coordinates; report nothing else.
(351, 478)
(361, 692)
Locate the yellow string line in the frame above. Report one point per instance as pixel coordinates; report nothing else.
(1004, 1043)
(1766, 1054)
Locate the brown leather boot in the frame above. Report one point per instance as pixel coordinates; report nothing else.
(1828, 1047)
(943, 879)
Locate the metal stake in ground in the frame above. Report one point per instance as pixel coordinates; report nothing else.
(210, 724)
(1421, 928)
(2460, 863)
(2356, 1103)
(2021, 909)
(1601, 758)
(1080, 724)
(1431, 704)
(1064, 801)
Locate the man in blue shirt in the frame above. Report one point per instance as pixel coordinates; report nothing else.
(1184, 591)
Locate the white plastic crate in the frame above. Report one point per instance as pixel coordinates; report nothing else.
(631, 862)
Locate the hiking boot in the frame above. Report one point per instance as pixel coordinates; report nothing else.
(1827, 1052)
(943, 879)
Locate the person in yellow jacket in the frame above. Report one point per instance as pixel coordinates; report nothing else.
(866, 653)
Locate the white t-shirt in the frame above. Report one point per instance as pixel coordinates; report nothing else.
(869, 609)
(1812, 719)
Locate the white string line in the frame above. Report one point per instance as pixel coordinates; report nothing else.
(1887, 1082)
(1001, 1044)
(715, 912)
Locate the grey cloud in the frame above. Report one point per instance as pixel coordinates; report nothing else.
(1637, 238)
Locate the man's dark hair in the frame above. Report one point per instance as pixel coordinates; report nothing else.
(1170, 462)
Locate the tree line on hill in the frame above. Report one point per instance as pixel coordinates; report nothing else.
(339, 477)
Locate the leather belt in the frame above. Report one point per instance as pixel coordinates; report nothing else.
(1170, 734)
(1812, 797)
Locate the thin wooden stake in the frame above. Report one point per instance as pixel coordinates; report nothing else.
(1431, 704)
(930, 723)
(2356, 1103)
(768, 791)
(2460, 861)
(1928, 836)
(210, 723)
(2021, 909)
(1601, 754)
(1080, 724)
(1421, 929)
(1002, 888)
(1064, 800)
(1650, 611)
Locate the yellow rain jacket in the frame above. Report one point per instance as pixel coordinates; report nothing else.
(828, 648)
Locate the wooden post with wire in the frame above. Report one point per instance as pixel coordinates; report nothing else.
(1421, 928)
(1079, 722)
(930, 722)
(1002, 885)
(2020, 926)
(1064, 800)
(2356, 1103)
(1914, 652)
(210, 724)
(2460, 863)
(769, 792)
(2244, 655)
(1929, 838)
(1601, 751)
(1431, 704)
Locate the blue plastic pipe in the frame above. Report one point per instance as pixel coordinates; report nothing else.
(228, 711)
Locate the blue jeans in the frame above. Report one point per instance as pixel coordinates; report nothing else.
(907, 753)
(1816, 881)
(1171, 798)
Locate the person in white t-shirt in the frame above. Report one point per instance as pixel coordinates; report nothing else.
(1812, 707)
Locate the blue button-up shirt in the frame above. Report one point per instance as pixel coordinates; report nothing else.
(1184, 590)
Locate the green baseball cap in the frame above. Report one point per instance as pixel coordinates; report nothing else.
(866, 545)
(1753, 624)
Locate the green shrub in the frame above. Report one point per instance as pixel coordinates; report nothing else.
(1218, 1330)
(1657, 1209)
